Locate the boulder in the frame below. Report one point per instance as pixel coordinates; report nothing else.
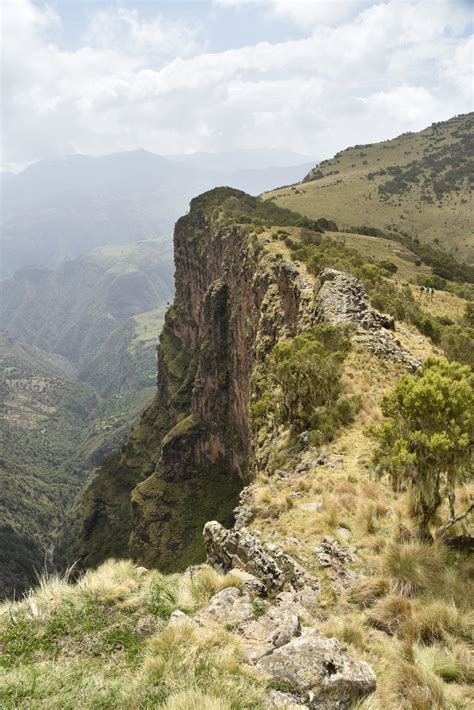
(249, 582)
(228, 606)
(284, 701)
(276, 627)
(320, 672)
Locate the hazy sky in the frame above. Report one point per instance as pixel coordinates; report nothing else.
(172, 77)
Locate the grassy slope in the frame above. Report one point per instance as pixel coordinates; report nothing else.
(440, 155)
(409, 612)
(105, 643)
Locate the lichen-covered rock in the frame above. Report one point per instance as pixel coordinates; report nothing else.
(276, 627)
(336, 558)
(284, 701)
(320, 671)
(228, 606)
(239, 548)
(384, 345)
(341, 298)
(249, 582)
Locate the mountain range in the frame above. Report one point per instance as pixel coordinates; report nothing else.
(58, 209)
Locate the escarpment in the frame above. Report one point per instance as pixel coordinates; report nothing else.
(194, 449)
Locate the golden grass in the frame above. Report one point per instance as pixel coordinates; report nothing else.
(350, 199)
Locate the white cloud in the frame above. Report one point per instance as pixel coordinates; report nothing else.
(393, 66)
(123, 30)
(308, 13)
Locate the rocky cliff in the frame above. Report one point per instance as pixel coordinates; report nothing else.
(194, 448)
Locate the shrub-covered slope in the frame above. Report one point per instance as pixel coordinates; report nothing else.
(42, 413)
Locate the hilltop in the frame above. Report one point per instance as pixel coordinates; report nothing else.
(418, 185)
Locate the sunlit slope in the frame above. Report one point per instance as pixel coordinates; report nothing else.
(419, 184)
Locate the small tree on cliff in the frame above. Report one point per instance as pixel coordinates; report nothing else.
(426, 440)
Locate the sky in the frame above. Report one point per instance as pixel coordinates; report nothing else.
(83, 76)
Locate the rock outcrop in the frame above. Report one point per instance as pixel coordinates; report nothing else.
(341, 298)
(319, 671)
(240, 548)
(315, 670)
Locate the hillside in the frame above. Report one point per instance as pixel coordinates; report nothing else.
(42, 413)
(73, 310)
(63, 414)
(55, 430)
(417, 185)
(273, 361)
(58, 209)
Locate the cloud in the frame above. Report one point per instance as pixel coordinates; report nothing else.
(309, 13)
(136, 82)
(123, 30)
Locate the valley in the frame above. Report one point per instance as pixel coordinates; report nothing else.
(78, 365)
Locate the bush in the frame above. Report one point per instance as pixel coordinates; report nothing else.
(426, 439)
(389, 266)
(302, 383)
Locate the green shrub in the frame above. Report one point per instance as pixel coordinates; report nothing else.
(426, 439)
(302, 383)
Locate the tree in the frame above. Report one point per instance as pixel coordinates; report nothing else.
(306, 371)
(427, 438)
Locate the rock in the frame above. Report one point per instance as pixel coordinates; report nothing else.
(276, 627)
(336, 558)
(384, 346)
(244, 512)
(312, 507)
(321, 460)
(320, 671)
(228, 606)
(178, 616)
(303, 439)
(240, 548)
(341, 298)
(249, 582)
(284, 701)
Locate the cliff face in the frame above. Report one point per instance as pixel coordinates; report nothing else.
(194, 449)
(190, 454)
